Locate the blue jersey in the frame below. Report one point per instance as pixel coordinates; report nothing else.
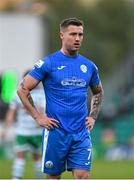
(66, 80)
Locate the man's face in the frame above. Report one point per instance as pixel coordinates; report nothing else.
(72, 37)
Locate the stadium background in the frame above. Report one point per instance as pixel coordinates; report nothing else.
(109, 42)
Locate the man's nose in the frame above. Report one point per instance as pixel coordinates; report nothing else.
(77, 38)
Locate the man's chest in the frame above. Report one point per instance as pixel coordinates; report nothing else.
(70, 74)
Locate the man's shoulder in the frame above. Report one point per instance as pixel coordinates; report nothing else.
(52, 55)
(49, 58)
(86, 60)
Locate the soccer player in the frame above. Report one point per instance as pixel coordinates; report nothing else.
(28, 134)
(66, 76)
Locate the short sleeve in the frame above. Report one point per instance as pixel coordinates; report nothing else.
(40, 69)
(95, 79)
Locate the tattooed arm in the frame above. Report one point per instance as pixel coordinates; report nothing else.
(24, 93)
(31, 100)
(96, 102)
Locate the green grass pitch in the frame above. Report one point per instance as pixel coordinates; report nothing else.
(100, 170)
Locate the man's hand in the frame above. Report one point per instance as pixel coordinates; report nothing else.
(90, 123)
(48, 123)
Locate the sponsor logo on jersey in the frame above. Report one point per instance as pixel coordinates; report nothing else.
(74, 81)
(49, 164)
(61, 67)
(83, 68)
(39, 63)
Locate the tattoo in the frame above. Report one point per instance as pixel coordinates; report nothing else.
(28, 93)
(22, 84)
(96, 101)
(31, 100)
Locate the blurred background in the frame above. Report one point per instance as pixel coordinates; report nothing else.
(29, 30)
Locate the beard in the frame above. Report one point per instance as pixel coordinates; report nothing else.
(73, 51)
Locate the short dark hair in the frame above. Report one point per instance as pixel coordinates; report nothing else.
(70, 21)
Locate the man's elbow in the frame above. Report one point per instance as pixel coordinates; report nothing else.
(19, 91)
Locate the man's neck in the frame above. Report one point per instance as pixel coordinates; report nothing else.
(69, 53)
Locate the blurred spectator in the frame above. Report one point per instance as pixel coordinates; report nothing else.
(109, 138)
(28, 134)
(112, 151)
(115, 151)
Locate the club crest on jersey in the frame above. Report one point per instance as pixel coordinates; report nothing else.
(39, 63)
(83, 68)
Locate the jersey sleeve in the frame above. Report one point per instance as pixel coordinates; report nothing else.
(40, 69)
(95, 79)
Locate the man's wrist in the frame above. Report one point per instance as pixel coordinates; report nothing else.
(36, 117)
(93, 117)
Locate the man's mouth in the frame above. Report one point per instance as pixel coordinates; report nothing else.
(77, 45)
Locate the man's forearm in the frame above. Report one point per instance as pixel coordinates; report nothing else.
(28, 105)
(27, 101)
(96, 103)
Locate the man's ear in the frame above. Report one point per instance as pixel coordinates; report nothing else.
(61, 35)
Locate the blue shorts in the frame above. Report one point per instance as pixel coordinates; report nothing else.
(66, 151)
